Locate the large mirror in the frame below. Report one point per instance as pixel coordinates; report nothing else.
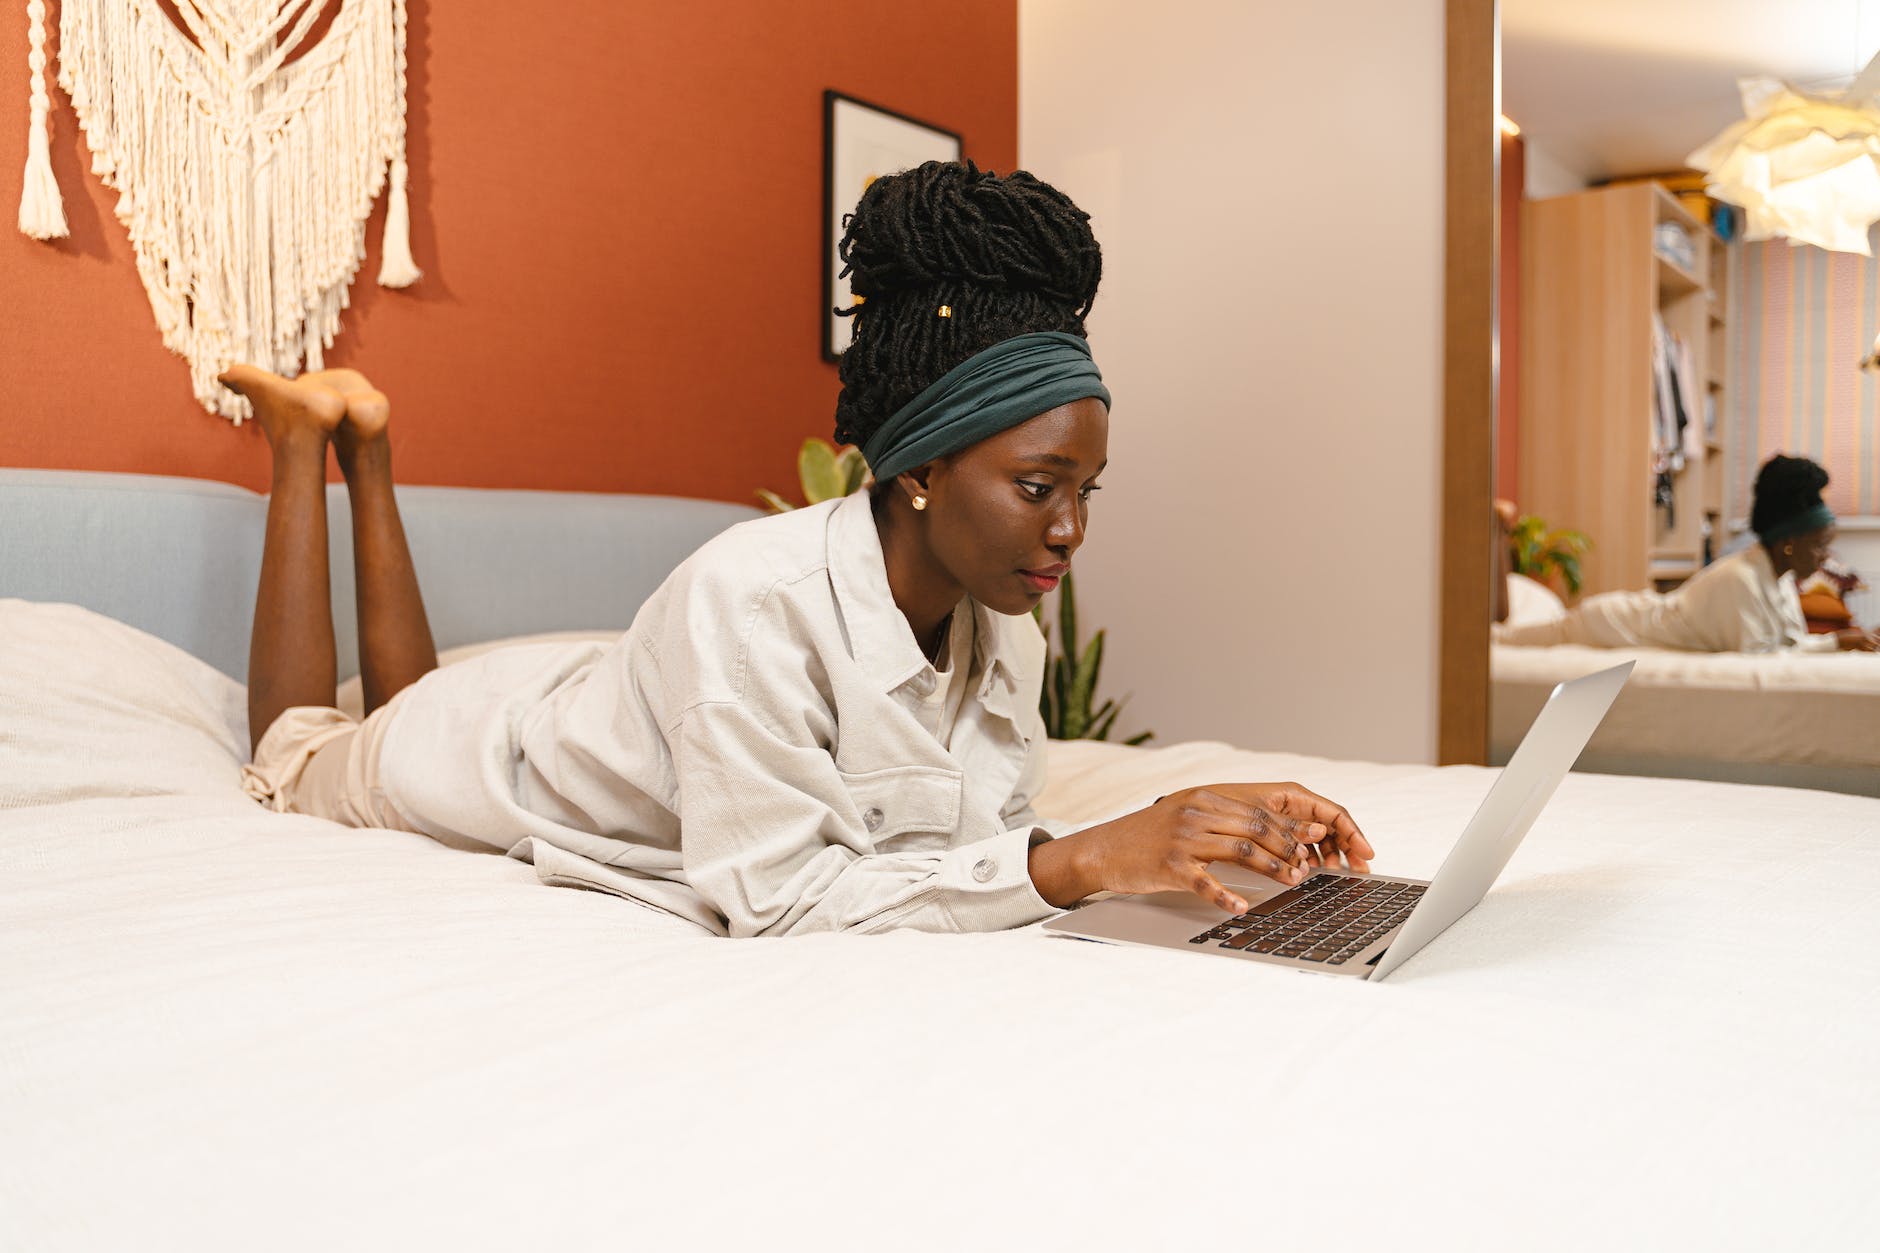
(1653, 363)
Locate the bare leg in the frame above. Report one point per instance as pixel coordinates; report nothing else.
(395, 646)
(290, 655)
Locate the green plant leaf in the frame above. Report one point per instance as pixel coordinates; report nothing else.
(1060, 695)
(1142, 738)
(774, 502)
(1044, 689)
(1067, 613)
(1570, 572)
(1089, 669)
(1540, 553)
(851, 469)
(1083, 685)
(1106, 718)
(816, 467)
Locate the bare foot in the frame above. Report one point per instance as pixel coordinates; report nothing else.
(367, 410)
(287, 408)
(368, 413)
(341, 381)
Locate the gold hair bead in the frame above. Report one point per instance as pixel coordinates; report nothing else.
(946, 311)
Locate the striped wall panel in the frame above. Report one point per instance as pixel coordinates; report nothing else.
(1800, 319)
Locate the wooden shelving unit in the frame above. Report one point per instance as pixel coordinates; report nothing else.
(1591, 283)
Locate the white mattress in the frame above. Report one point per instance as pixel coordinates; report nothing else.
(222, 1029)
(1810, 720)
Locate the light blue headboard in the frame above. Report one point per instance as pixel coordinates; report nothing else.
(179, 558)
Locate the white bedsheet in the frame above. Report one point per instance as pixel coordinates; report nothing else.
(225, 1029)
(1807, 719)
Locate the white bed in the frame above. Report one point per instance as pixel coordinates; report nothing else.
(223, 1029)
(1798, 719)
(227, 1029)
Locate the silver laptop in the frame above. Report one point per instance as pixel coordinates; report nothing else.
(1366, 925)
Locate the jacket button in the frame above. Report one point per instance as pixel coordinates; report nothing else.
(984, 869)
(872, 819)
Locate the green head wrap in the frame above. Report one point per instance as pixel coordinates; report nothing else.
(1011, 382)
(1812, 518)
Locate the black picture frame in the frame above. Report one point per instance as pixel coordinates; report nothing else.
(863, 141)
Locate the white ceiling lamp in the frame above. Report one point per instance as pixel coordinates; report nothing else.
(1801, 165)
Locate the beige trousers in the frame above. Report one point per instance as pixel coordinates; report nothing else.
(322, 762)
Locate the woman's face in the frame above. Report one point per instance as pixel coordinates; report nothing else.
(1006, 515)
(1812, 548)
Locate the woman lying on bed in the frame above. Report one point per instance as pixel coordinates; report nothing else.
(1743, 603)
(823, 720)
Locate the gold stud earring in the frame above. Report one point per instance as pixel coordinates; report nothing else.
(920, 502)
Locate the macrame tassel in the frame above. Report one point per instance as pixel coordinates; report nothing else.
(396, 268)
(42, 213)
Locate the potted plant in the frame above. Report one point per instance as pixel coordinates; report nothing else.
(824, 473)
(1069, 699)
(1548, 556)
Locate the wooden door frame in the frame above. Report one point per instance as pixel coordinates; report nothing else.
(1471, 240)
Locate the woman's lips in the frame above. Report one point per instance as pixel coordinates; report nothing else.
(1043, 580)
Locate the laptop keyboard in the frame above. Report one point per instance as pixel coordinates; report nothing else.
(1328, 918)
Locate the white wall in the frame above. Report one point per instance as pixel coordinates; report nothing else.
(1547, 173)
(1267, 181)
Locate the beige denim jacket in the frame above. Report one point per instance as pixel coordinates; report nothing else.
(748, 754)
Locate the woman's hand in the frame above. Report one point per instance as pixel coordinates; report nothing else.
(1855, 640)
(1279, 830)
(1343, 845)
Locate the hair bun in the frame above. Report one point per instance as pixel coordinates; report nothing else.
(951, 227)
(1785, 487)
(1004, 256)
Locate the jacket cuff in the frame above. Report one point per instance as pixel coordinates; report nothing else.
(987, 886)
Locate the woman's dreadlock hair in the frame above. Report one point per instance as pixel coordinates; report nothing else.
(1785, 487)
(1006, 255)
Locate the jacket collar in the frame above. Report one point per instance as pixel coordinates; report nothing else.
(878, 635)
(1758, 558)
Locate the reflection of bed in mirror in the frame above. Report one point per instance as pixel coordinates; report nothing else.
(1797, 719)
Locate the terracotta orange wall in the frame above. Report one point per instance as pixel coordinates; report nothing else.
(618, 210)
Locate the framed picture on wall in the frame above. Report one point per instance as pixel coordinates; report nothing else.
(862, 142)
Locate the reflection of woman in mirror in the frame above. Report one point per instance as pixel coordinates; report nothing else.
(1743, 603)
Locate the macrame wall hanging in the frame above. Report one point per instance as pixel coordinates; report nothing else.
(244, 179)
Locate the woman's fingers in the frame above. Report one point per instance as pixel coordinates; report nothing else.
(1216, 893)
(1212, 813)
(1353, 858)
(1293, 800)
(1244, 852)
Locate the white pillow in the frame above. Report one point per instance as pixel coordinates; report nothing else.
(1530, 601)
(352, 693)
(92, 707)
